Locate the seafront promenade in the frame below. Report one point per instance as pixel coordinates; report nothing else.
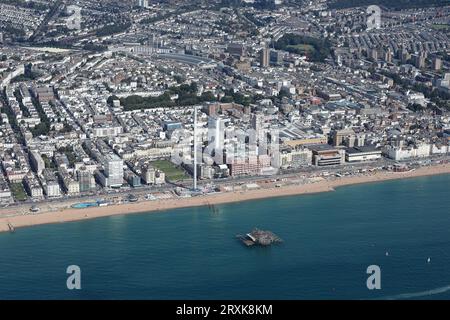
(64, 212)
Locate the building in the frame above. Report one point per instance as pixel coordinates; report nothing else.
(373, 54)
(113, 170)
(50, 183)
(257, 121)
(36, 161)
(420, 61)
(85, 179)
(104, 130)
(153, 176)
(344, 137)
(264, 57)
(45, 93)
(326, 155)
(205, 171)
(388, 56)
(72, 187)
(33, 187)
(133, 179)
(160, 177)
(306, 140)
(276, 57)
(148, 174)
(440, 148)
(236, 49)
(216, 132)
(251, 165)
(243, 65)
(295, 157)
(359, 154)
(444, 83)
(405, 56)
(402, 152)
(142, 3)
(5, 191)
(240, 167)
(172, 125)
(437, 64)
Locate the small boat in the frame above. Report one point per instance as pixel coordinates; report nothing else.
(428, 260)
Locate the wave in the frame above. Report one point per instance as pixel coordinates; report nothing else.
(418, 294)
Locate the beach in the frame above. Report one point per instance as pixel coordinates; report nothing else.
(64, 213)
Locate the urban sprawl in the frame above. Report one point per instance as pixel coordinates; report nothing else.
(101, 99)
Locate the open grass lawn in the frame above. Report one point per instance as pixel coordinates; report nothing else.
(441, 27)
(173, 173)
(302, 47)
(18, 192)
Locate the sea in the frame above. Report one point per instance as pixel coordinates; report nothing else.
(329, 241)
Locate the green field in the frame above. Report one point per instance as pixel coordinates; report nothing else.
(173, 173)
(441, 27)
(18, 192)
(302, 47)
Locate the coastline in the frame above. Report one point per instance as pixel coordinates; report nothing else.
(67, 214)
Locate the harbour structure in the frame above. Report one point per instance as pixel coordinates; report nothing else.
(259, 237)
(212, 208)
(11, 228)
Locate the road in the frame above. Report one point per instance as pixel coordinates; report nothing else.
(54, 12)
(347, 169)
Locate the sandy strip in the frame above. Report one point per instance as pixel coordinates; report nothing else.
(69, 214)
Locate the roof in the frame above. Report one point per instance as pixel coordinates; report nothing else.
(363, 149)
(321, 147)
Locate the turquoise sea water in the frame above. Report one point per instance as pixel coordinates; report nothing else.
(329, 241)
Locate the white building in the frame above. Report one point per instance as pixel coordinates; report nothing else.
(416, 98)
(151, 175)
(52, 189)
(295, 158)
(37, 162)
(216, 132)
(402, 153)
(72, 186)
(142, 3)
(114, 170)
(106, 131)
(360, 154)
(441, 149)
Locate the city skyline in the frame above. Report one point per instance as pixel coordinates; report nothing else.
(118, 107)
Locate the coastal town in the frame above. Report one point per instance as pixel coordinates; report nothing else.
(126, 106)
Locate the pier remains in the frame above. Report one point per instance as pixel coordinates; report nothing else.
(259, 237)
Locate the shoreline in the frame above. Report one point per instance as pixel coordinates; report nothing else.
(65, 214)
